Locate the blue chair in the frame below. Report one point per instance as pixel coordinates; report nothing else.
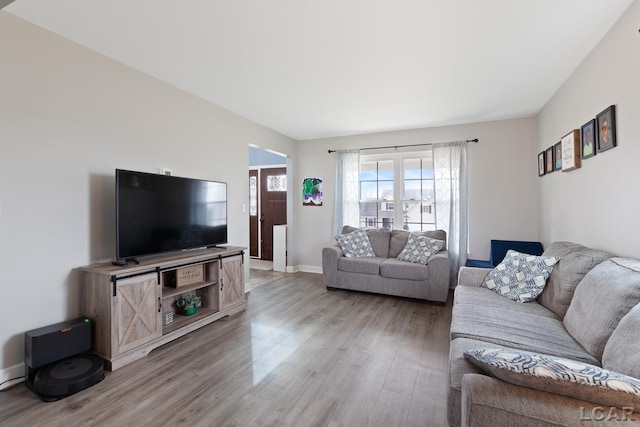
(499, 249)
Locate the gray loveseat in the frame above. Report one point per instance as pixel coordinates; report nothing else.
(384, 274)
(585, 313)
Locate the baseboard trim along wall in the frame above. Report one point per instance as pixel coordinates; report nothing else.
(308, 269)
(11, 376)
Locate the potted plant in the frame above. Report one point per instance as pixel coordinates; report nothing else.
(189, 304)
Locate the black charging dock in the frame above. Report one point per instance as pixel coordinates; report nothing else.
(56, 359)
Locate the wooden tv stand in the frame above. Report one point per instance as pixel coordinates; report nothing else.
(130, 305)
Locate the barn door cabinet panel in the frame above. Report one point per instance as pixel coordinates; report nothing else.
(136, 314)
(231, 284)
(134, 307)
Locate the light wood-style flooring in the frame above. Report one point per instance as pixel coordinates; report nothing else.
(298, 356)
(260, 277)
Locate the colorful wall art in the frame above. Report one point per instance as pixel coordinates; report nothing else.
(312, 192)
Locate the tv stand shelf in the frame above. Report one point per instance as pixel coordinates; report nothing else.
(181, 320)
(169, 291)
(129, 304)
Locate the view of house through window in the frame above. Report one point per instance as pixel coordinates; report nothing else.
(397, 191)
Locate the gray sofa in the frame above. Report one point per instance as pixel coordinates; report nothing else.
(384, 274)
(585, 313)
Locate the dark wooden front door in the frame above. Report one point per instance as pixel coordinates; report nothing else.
(273, 207)
(254, 187)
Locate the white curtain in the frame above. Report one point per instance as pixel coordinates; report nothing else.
(347, 203)
(450, 172)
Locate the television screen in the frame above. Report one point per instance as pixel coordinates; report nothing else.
(160, 213)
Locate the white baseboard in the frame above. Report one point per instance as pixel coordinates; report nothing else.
(309, 269)
(15, 371)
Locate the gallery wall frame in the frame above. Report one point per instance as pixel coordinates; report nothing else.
(542, 167)
(587, 139)
(557, 156)
(606, 126)
(571, 151)
(549, 160)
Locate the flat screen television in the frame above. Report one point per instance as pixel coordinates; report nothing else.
(160, 213)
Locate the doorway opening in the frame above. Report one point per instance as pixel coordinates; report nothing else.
(267, 204)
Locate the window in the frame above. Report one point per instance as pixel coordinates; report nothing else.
(418, 194)
(277, 183)
(253, 196)
(404, 180)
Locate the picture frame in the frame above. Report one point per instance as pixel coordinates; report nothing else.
(557, 156)
(571, 151)
(588, 139)
(606, 126)
(549, 160)
(542, 168)
(312, 192)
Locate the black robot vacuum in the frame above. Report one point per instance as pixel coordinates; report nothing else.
(57, 360)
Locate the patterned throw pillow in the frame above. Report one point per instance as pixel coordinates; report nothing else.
(557, 375)
(419, 248)
(520, 277)
(355, 244)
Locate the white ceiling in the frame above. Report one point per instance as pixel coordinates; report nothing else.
(320, 68)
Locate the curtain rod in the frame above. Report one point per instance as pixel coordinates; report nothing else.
(407, 145)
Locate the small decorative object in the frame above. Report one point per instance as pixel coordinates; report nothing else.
(606, 122)
(189, 303)
(557, 156)
(588, 145)
(541, 164)
(189, 275)
(312, 192)
(168, 317)
(571, 151)
(549, 159)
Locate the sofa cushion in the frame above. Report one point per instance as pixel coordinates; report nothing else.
(517, 326)
(520, 277)
(346, 229)
(419, 249)
(622, 352)
(399, 239)
(378, 238)
(607, 293)
(366, 265)
(394, 269)
(575, 261)
(355, 244)
(558, 375)
(491, 301)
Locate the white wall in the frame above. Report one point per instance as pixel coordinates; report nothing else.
(597, 205)
(502, 183)
(69, 118)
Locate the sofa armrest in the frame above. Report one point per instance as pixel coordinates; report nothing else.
(472, 276)
(330, 256)
(490, 401)
(440, 269)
